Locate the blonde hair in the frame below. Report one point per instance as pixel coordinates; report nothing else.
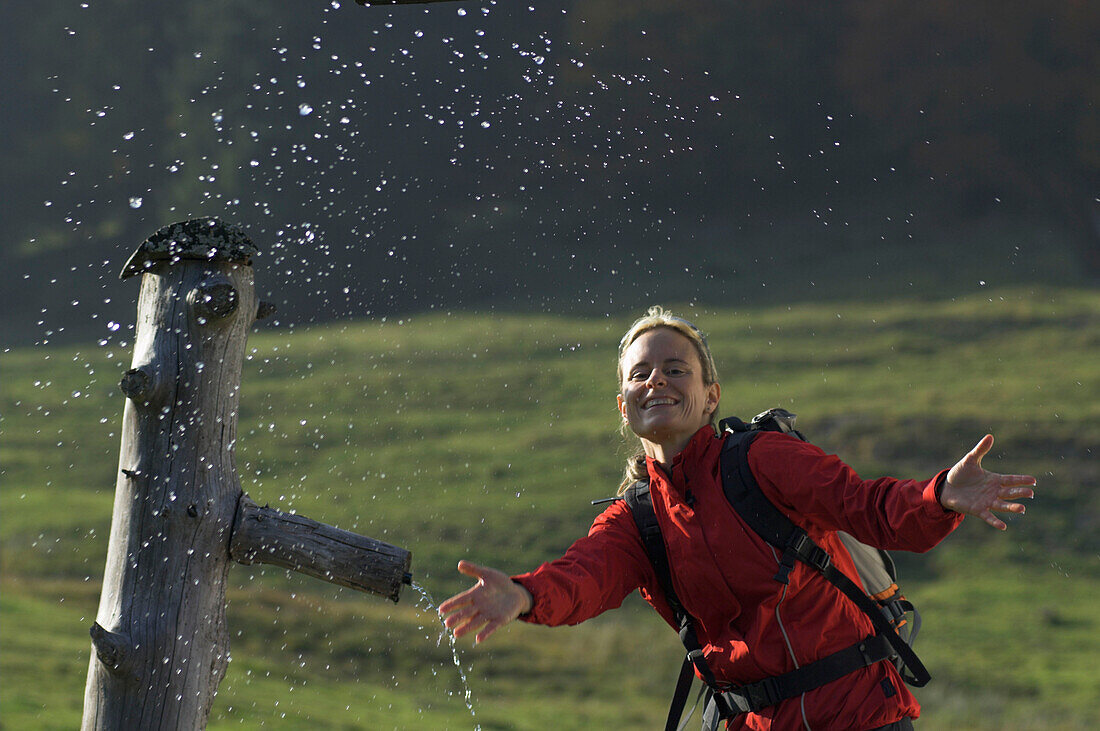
(654, 318)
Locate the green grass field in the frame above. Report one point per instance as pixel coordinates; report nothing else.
(486, 436)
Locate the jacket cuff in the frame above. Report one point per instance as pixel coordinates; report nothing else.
(931, 497)
(525, 581)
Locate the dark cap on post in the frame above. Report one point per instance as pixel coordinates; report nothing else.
(202, 239)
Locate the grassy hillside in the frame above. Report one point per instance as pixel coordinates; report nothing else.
(486, 436)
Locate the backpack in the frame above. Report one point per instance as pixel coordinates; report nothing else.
(877, 595)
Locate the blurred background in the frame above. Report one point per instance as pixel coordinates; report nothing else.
(570, 156)
(884, 214)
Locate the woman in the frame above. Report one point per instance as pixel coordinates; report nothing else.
(750, 626)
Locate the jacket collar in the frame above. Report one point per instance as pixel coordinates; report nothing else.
(701, 442)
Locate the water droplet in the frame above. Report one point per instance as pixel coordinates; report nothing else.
(135, 201)
(304, 109)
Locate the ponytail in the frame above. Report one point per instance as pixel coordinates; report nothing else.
(635, 470)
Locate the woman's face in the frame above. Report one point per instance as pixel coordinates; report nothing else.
(663, 397)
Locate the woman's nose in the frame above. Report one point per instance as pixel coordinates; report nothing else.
(656, 378)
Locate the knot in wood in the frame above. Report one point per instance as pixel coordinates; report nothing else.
(113, 649)
(214, 299)
(136, 384)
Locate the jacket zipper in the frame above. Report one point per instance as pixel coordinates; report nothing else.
(787, 641)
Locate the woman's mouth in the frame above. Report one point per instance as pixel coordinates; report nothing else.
(658, 402)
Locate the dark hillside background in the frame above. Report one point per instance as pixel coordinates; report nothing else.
(884, 214)
(579, 157)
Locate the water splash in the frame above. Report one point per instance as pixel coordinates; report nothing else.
(427, 599)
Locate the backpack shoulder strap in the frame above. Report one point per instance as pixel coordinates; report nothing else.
(640, 502)
(641, 508)
(767, 521)
(744, 494)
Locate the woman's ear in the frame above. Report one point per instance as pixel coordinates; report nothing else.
(621, 404)
(714, 395)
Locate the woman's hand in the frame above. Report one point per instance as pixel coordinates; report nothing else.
(487, 606)
(972, 490)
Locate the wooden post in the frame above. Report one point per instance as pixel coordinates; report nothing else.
(160, 643)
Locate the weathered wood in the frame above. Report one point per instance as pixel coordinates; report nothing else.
(266, 535)
(160, 643)
(160, 638)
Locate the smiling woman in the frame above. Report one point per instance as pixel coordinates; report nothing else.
(668, 388)
(777, 645)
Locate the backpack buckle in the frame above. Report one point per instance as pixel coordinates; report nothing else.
(764, 694)
(893, 611)
(786, 565)
(819, 558)
(804, 547)
(753, 697)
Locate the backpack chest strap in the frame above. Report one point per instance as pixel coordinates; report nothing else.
(754, 697)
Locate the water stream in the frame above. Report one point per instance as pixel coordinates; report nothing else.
(427, 599)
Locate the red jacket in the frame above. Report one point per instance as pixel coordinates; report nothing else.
(723, 572)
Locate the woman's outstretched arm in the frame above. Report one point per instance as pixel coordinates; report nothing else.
(817, 489)
(494, 601)
(597, 572)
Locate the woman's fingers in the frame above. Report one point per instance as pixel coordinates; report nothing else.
(488, 630)
(462, 617)
(1012, 488)
(981, 449)
(456, 601)
(472, 569)
(459, 615)
(992, 520)
(1017, 493)
(1004, 506)
(468, 626)
(465, 597)
(471, 619)
(1019, 481)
